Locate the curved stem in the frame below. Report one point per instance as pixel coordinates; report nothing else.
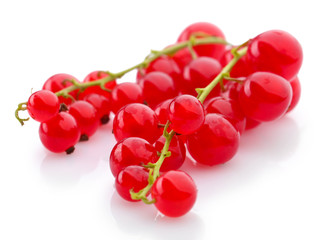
(154, 169)
(21, 107)
(204, 92)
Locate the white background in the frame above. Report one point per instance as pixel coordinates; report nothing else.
(278, 186)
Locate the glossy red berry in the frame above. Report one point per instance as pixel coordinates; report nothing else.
(86, 116)
(94, 76)
(296, 91)
(275, 51)
(131, 177)
(125, 93)
(175, 193)
(101, 104)
(229, 109)
(136, 120)
(162, 111)
(131, 151)
(265, 96)
(182, 58)
(166, 65)
(199, 73)
(216, 142)
(157, 87)
(186, 114)
(205, 29)
(58, 82)
(178, 153)
(60, 133)
(240, 69)
(43, 105)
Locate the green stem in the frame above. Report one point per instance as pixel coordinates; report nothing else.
(154, 169)
(204, 92)
(21, 107)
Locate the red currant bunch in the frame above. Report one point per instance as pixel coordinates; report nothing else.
(199, 94)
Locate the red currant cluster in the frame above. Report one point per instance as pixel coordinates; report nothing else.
(201, 93)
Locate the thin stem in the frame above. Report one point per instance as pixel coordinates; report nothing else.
(21, 107)
(154, 169)
(204, 92)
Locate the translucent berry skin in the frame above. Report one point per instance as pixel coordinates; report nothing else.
(136, 120)
(175, 193)
(94, 76)
(125, 93)
(209, 50)
(166, 65)
(240, 69)
(250, 123)
(199, 73)
(101, 104)
(229, 109)
(275, 51)
(57, 82)
(86, 116)
(131, 151)
(182, 58)
(162, 111)
(59, 133)
(265, 96)
(131, 177)
(43, 105)
(178, 151)
(186, 114)
(216, 142)
(157, 87)
(296, 92)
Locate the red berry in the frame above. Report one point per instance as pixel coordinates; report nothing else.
(296, 91)
(250, 123)
(182, 58)
(60, 133)
(229, 109)
(86, 116)
(240, 69)
(101, 104)
(209, 50)
(215, 142)
(275, 51)
(131, 151)
(157, 87)
(43, 105)
(166, 65)
(186, 114)
(94, 76)
(124, 94)
(131, 177)
(58, 82)
(136, 120)
(199, 73)
(162, 111)
(175, 193)
(265, 96)
(177, 150)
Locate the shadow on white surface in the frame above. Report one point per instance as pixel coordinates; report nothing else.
(144, 221)
(68, 169)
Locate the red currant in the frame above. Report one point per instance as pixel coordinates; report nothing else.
(136, 120)
(157, 87)
(186, 114)
(216, 142)
(131, 177)
(240, 69)
(43, 105)
(177, 150)
(86, 116)
(199, 73)
(60, 133)
(265, 96)
(175, 193)
(94, 76)
(296, 91)
(101, 104)
(58, 82)
(125, 93)
(131, 151)
(275, 51)
(209, 50)
(230, 110)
